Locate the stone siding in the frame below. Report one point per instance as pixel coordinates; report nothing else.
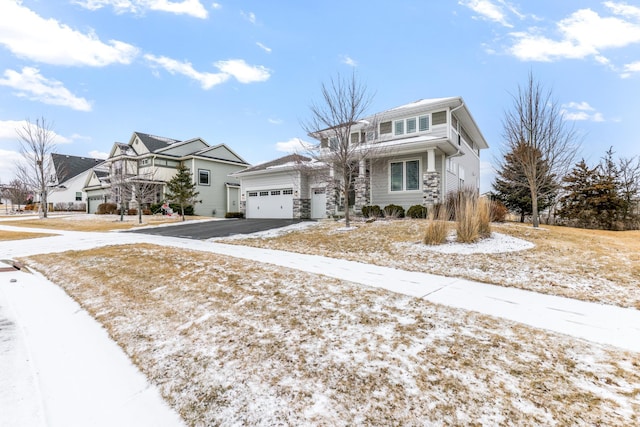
(430, 189)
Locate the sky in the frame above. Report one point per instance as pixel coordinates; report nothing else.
(245, 73)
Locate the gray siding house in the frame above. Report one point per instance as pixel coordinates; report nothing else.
(156, 158)
(413, 154)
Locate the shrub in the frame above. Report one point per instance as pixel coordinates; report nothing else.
(234, 215)
(417, 211)
(188, 210)
(393, 211)
(437, 229)
(371, 211)
(107, 209)
(146, 211)
(498, 211)
(132, 211)
(29, 207)
(156, 208)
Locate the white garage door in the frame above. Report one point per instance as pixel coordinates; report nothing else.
(276, 203)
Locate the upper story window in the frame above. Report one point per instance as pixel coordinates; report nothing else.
(404, 176)
(145, 162)
(78, 196)
(411, 125)
(203, 177)
(333, 143)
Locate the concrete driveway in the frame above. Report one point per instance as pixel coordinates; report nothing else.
(202, 230)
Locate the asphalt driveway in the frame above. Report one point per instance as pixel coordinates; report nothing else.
(202, 230)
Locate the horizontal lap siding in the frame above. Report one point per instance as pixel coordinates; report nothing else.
(213, 196)
(380, 192)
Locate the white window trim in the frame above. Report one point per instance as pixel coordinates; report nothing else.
(404, 176)
(208, 177)
(417, 130)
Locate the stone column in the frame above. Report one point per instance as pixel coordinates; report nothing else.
(430, 189)
(361, 187)
(332, 197)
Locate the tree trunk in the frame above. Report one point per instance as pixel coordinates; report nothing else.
(534, 209)
(345, 190)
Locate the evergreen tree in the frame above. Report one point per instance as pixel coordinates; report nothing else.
(579, 189)
(181, 189)
(512, 187)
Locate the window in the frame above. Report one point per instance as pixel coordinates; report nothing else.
(78, 196)
(411, 125)
(404, 176)
(264, 193)
(253, 193)
(275, 192)
(288, 191)
(398, 127)
(333, 143)
(203, 177)
(424, 123)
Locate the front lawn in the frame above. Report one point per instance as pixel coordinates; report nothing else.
(590, 265)
(235, 343)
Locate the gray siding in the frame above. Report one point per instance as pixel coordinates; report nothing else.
(185, 149)
(381, 194)
(214, 195)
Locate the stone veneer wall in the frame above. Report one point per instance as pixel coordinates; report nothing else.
(363, 196)
(302, 208)
(430, 188)
(332, 198)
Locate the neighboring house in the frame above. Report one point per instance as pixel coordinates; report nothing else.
(67, 176)
(410, 155)
(155, 159)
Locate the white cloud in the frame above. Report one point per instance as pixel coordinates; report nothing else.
(244, 72)
(263, 47)
(580, 111)
(206, 80)
(98, 154)
(251, 17)
(623, 9)
(489, 10)
(30, 36)
(185, 7)
(294, 145)
(216, 6)
(346, 59)
(8, 131)
(584, 33)
(275, 121)
(8, 161)
(30, 84)
(236, 68)
(631, 68)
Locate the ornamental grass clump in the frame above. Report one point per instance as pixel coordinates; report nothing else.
(437, 228)
(467, 219)
(484, 217)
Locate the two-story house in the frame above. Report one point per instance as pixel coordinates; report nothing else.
(413, 154)
(67, 176)
(155, 159)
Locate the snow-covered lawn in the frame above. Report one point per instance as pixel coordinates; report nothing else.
(236, 343)
(590, 265)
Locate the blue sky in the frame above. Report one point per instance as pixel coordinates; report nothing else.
(245, 72)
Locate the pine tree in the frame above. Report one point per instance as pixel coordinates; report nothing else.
(579, 189)
(512, 187)
(181, 189)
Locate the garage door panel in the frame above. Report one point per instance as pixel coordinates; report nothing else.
(276, 203)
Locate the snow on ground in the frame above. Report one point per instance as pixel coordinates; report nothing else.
(496, 244)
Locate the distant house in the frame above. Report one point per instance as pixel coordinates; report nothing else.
(413, 154)
(67, 176)
(156, 158)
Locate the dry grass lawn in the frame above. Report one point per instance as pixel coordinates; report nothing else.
(17, 235)
(236, 344)
(590, 265)
(95, 222)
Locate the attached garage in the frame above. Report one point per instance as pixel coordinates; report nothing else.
(273, 203)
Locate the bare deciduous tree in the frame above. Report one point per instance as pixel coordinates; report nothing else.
(17, 192)
(535, 121)
(37, 142)
(343, 103)
(144, 190)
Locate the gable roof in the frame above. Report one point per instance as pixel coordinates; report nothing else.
(67, 166)
(154, 142)
(290, 160)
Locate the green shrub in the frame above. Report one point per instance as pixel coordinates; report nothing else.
(393, 211)
(417, 211)
(234, 215)
(188, 210)
(371, 211)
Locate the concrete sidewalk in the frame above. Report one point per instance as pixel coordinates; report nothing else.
(59, 367)
(599, 323)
